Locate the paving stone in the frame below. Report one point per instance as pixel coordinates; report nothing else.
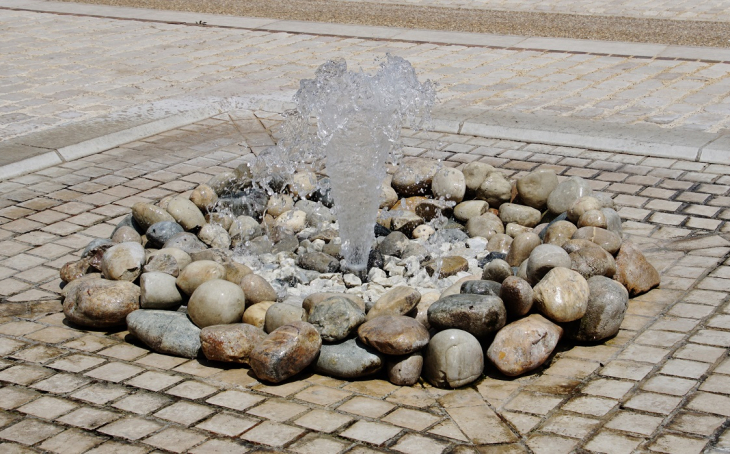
(272, 434)
(132, 428)
(184, 413)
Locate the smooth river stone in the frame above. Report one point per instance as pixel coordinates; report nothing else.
(453, 358)
(186, 213)
(427, 300)
(567, 193)
(414, 176)
(280, 314)
(571, 246)
(423, 231)
(147, 214)
(449, 184)
(500, 242)
(519, 214)
(204, 197)
(593, 261)
(394, 244)
(301, 184)
(256, 314)
(186, 241)
(535, 187)
(544, 258)
(292, 221)
(613, 220)
(216, 302)
(316, 298)
(446, 266)
(215, 236)
(562, 295)
(224, 183)
(513, 229)
(235, 272)
(279, 204)
(474, 175)
(285, 352)
(336, 317)
(485, 226)
(126, 234)
(607, 305)
(230, 343)
(495, 189)
(634, 272)
(165, 332)
(404, 370)
(516, 294)
(99, 303)
(388, 196)
(243, 228)
(193, 275)
(470, 209)
(607, 239)
(182, 258)
(521, 248)
(497, 270)
(349, 359)
(123, 262)
(394, 334)
(593, 218)
(524, 345)
(582, 205)
(479, 315)
(481, 287)
(158, 291)
(318, 261)
(559, 232)
(257, 289)
(397, 301)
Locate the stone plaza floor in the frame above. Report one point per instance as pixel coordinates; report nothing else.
(661, 385)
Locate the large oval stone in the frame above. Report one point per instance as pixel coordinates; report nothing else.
(449, 184)
(487, 225)
(607, 239)
(470, 209)
(414, 177)
(544, 258)
(147, 214)
(397, 301)
(158, 291)
(567, 193)
(280, 314)
(166, 332)
(257, 289)
(524, 345)
(123, 262)
(159, 232)
(99, 303)
(394, 334)
(198, 272)
(495, 189)
(285, 352)
(474, 175)
(562, 295)
(214, 236)
(404, 370)
(349, 359)
(216, 302)
(479, 315)
(634, 271)
(230, 343)
(522, 247)
(593, 261)
(186, 213)
(519, 214)
(607, 304)
(336, 317)
(559, 232)
(535, 187)
(453, 358)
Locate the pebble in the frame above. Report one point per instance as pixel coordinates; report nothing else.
(257, 289)
(336, 317)
(544, 258)
(123, 262)
(567, 193)
(453, 358)
(519, 214)
(186, 213)
(449, 184)
(404, 370)
(607, 239)
(348, 359)
(414, 176)
(516, 294)
(513, 229)
(235, 272)
(500, 242)
(256, 314)
(405, 222)
(204, 197)
(423, 231)
(224, 183)
(182, 258)
(524, 345)
(535, 188)
(497, 270)
(495, 189)
(394, 244)
(71, 271)
(607, 305)
(244, 228)
(285, 352)
(486, 226)
(99, 303)
(593, 218)
(302, 184)
(481, 287)
(280, 314)
(397, 301)
(146, 214)
(318, 261)
(216, 302)
(562, 295)
(592, 261)
(581, 206)
(431, 209)
(185, 241)
(292, 221)
(559, 232)
(479, 315)
(165, 332)
(393, 334)
(279, 204)
(388, 196)
(158, 291)
(521, 248)
(215, 236)
(446, 266)
(634, 272)
(95, 250)
(475, 173)
(126, 234)
(470, 209)
(230, 343)
(193, 275)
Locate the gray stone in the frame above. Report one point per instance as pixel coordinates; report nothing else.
(486, 226)
(185, 241)
(562, 295)
(613, 220)
(280, 314)
(216, 302)
(470, 209)
(497, 270)
(607, 305)
(285, 352)
(146, 214)
(481, 287)
(404, 370)
(158, 291)
(453, 358)
(336, 318)
(193, 275)
(607, 239)
(449, 184)
(165, 332)
(479, 315)
(567, 193)
(158, 233)
(495, 190)
(535, 187)
(519, 214)
(126, 234)
(97, 303)
(394, 244)
(516, 294)
(230, 343)
(318, 261)
(544, 258)
(348, 359)
(524, 345)
(123, 262)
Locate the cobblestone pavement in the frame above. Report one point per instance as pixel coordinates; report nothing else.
(703, 10)
(61, 68)
(661, 385)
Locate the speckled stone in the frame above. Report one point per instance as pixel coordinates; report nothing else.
(452, 359)
(524, 345)
(165, 332)
(336, 317)
(479, 315)
(393, 334)
(230, 343)
(285, 352)
(348, 359)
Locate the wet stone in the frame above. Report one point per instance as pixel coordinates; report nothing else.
(499, 242)
(318, 261)
(221, 256)
(257, 289)
(544, 258)
(516, 294)
(280, 314)
(230, 343)
(567, 193)
(592, 261)
(204, 197)
(607, 304)
(485, 226)
(394, 244)
(185, 241)
(348, 359)
(186, 213)
(393, 334)
(524, 345)
(634, 272)
(215, 236)
(521, 248)
(562, 295)
(285, 352)
(447, 266)
(165, 332)
(126, 234)
(95, 250)
(559, 232)
(336, 317)
(123, 262)
(470, 209)
(99, 303)
(146, 214)
(74, 270)
(608, 240)
(163, 263)
(479, 315)
(497, 271)
(519, 214)
(495, 189)
(452, 359)
(593, 218)
(582, 206)
(197, 273)
(243, 228)
(474, 175)
(449, 184)
(481, 287)
(414, 177)
(397, 301)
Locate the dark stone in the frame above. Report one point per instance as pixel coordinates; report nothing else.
(285, 243)
(323, 194)
(481, 287)
(349, 359)
(160, 232)
(394, 244)
(318, 261)
(285, 352)
(166, 332)
(381, 231)
(375, 259)
(492, 256)
(479, 315)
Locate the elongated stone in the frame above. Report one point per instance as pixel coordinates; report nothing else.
(524, 345)
(166, 332)
(285, 352)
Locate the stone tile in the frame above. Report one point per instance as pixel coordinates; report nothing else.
(141, 403)
(235, 400)
(160, 361)
(418, 444)
(19, 328)
(272, 434)
(323, 420)
(153, 381)
(192, 390)
(29, 432)
(47, 407)
(637, 423)
(124, 352)
(716, 383)
(227, 424)
(184, 413)
(570, 425)
(364, 406)
(699, 353)
(89, 418)
(90, 343)
(613, 443)
(197, 368)
(677, 444)
(481, 425)
(448, 429)
(371, 432)
(277, 410)
(61, 383)
(100, 393)
(24, 375)
(132, 428)
(626, 369)
(322, 395)
(37, 354)
(219, 446)
(653, 403)
(411, 396)
(614, 389)
(76, 363)
(550, 444)
(175, 440)
(13, 397)
(684, 368)
(695, 423)
(71, 441)
(588, 405)
(711, 337)
(374, 388)
(533, 403)
(411, 419)
(114, 372)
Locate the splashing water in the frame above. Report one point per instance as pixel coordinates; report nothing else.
(358, 119)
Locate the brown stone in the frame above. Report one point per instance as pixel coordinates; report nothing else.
(634, 271)
(521, 247)
(230, 343)
(447, 266)
(524, 345)
(397, 301)
(558, 233)
(256, 314)
(285, 352)
(593, 261)
(394, 334)
(607, 239)
(100, 303)
(562, 295)
(74, 270)
(257, 289)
